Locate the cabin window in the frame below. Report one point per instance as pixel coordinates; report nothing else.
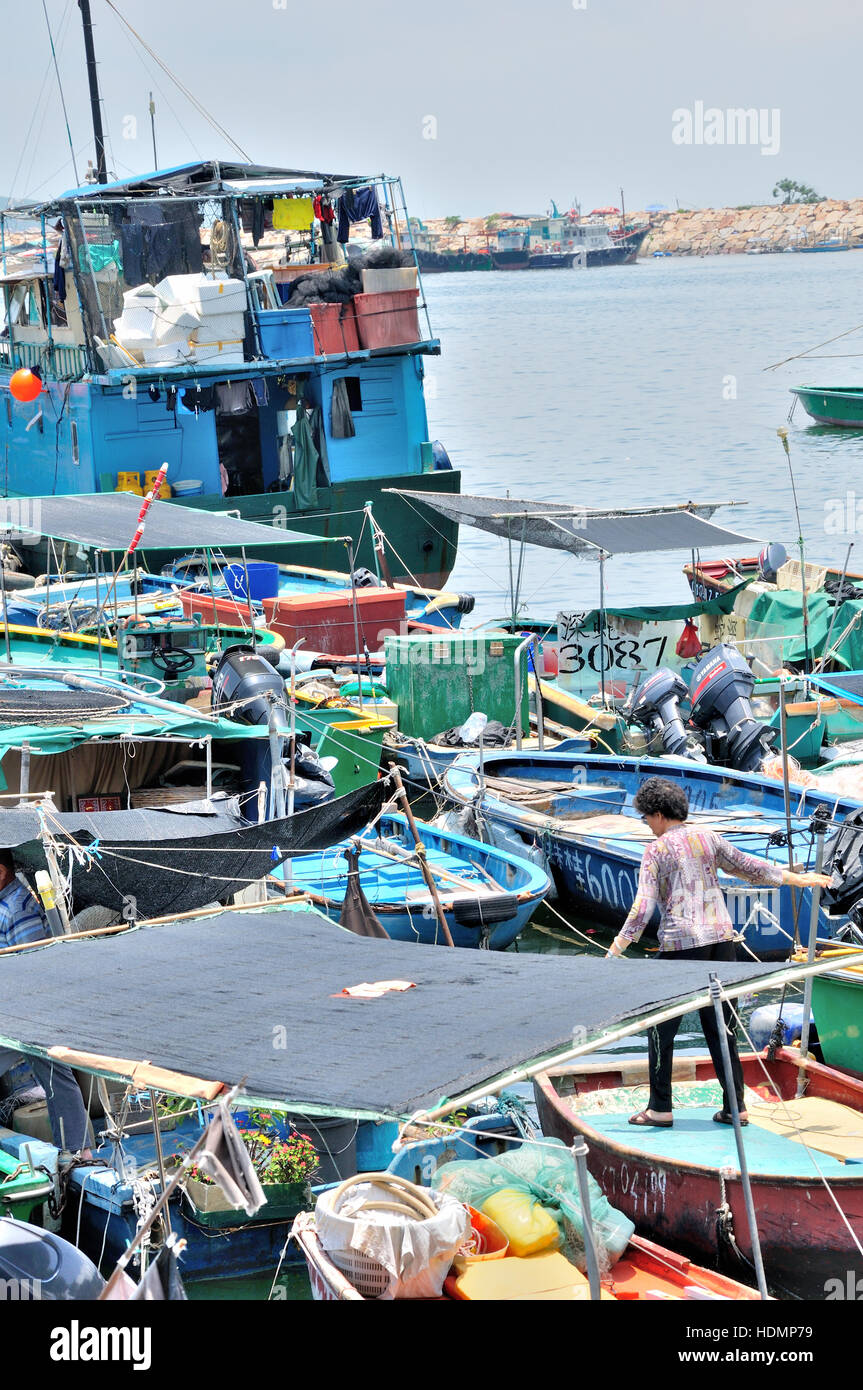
(73, 430)
(355, 394)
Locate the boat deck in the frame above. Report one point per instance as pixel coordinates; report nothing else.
(386, 881)
(696, 1139)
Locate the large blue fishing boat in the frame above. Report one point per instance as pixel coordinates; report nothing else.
(261, 330)
(157, 340)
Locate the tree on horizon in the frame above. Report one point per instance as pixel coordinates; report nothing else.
(796, 192)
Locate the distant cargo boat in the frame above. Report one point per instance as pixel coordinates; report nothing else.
(832, 405)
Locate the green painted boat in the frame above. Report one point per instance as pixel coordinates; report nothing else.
(837, 1003)
(832, 405)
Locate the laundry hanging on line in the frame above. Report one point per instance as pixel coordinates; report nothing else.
(292, 214)
(357, 205)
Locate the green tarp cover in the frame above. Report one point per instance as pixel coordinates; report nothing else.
(780, 615)
(59, 738)
(669, 612)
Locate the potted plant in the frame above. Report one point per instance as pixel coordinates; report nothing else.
(285, 1168)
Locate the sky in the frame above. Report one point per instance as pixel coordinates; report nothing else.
(480, 105)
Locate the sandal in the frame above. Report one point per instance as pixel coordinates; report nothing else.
(723, 1118)
(643, 1119)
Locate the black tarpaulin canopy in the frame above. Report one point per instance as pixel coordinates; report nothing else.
(255, 997)
(107, 521)
(169, 861)
(584, 530)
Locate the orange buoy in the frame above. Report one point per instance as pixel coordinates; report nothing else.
(25, 384)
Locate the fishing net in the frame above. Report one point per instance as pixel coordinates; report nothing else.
(546, 1173)
(23, 706)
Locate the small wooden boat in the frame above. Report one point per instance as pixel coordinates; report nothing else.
(488, 896)
(832, 405)
(647, 1271)
(682, 1186)
(579, 807)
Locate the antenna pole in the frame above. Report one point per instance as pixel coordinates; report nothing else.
(93, 80)
(153, 130)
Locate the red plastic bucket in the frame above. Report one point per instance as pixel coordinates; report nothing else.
(387, 320)
(335, 328)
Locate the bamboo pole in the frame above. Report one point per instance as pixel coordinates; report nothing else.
(421, 854)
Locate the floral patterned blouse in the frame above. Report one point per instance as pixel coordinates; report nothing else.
(680, 875)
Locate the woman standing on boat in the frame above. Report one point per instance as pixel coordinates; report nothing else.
(680, 875)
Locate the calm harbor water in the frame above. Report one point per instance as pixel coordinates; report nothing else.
(637, 384)
(643, 384)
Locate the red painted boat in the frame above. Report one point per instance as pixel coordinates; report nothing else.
(681, 1186)
(645, 1271)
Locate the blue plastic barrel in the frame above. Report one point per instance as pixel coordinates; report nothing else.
(263, 579)
(762, 1022)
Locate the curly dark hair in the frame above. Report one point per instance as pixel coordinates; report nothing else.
(659, 797)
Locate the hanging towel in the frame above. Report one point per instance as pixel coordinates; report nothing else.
(235, 397)
(292, 214)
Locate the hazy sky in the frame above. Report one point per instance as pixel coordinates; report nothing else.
(529, 100)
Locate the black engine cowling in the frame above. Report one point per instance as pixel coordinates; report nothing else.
(247, 680)
(657, 707)
(720, 698)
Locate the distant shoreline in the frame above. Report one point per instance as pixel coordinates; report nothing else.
(700, 232)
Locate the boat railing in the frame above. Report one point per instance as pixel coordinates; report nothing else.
(64, 362)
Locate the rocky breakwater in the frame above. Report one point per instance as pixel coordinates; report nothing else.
(724, 231)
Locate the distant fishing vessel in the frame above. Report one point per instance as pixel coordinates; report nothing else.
(558, 243)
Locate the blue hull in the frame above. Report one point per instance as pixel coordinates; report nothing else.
(398, 894)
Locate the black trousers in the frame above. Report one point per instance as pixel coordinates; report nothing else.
(660, 1040)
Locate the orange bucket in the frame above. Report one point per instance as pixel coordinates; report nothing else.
(489, 1239)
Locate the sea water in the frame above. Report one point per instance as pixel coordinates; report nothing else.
(647, 383)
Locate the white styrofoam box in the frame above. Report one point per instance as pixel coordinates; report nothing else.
(137, 320)
(389, 280)
(176, 324)
(218, 352)
(220, 328)
(204, 293)
(168, 354)
(140, 294)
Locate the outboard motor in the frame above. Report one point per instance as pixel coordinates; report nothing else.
(42, 1266)
(657, 707)
(770, 561)
(720, 698)
(244, 675)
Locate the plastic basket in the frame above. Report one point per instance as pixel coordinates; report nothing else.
(368, 1277)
